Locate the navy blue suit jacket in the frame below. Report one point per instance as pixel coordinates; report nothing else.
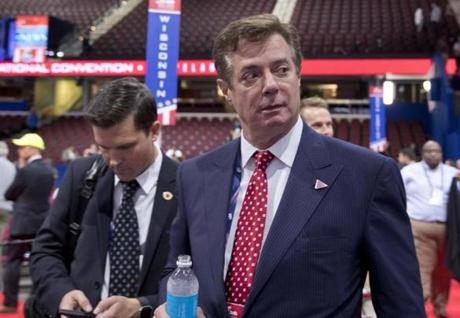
(321, 242)
(48, 266)
(30, 192)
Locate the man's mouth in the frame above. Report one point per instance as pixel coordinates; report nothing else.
(272, 107)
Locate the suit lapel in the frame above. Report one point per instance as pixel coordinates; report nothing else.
(163, 206)
(218, 180)
(103, 198)
(297, 205)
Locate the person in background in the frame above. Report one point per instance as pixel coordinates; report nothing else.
(449, 162)
(406, 156)
(427, 185)
(91, 150)
(418, 19)
(29, 191)
(175, 153)
(315, 113)
(69, 154)
(435, 18)
(285, 222)
(123, 244)
(7, 171)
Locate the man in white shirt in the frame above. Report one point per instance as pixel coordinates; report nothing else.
(427, 186)
(285, 222)
(124, 231)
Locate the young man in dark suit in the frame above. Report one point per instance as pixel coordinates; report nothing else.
(30, 193)
(312, 214)
(123, 243)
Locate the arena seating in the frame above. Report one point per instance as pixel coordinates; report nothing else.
(361, 27)
(328, 28)
(192, 136)
(331, 28)
(81, 13)
(12, 124)
(65, 132)
(400, 134)
(196, 135)
(198, 28)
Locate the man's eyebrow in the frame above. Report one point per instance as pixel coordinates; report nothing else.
(273, 63)
(249, 68)
(280, 61)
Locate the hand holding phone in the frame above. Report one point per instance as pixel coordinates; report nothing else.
(76, 313)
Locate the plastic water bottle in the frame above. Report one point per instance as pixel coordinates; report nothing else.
(182, 290)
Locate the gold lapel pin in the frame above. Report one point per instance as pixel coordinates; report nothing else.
(167, 195)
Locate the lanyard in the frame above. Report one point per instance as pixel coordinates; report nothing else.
(429, 180)
(236, 180)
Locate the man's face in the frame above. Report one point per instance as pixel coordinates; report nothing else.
(319, 119)
(264, 89)
(402, 158)
(432, 154)
(25, 152)
(127, 150)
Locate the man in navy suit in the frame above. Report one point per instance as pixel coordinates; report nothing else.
(332, 210)
(30, 192)
(124, 122)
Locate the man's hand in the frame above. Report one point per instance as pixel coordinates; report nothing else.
(160, 312)
(74, 300)
(117, 307)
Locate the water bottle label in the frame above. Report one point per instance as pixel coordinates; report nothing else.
(181, 306)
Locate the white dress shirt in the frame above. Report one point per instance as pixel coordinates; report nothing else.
(277, 172)
(8, 171)
(422, 185)
(143, 204)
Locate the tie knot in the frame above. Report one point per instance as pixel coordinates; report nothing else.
(129, 188)
(263, 159)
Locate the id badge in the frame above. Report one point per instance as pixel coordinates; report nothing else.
(235, 310)
(436, 197)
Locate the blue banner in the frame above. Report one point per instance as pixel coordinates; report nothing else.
(162, 56)
(378, 121)
(11, 40)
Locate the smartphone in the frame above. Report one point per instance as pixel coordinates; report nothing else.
(76, 313)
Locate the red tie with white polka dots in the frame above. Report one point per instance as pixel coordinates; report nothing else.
(248, 237)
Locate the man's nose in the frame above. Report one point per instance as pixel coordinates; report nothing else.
(112, 160)
(270, 84)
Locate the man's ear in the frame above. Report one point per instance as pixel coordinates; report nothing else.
(155, 130)
(224, 87)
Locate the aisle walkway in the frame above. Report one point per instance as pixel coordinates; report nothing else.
(18, 314)
(453, 307)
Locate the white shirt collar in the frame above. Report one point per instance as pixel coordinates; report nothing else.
(427, 167)
(33, 158)
(149, 178)
(284, 149)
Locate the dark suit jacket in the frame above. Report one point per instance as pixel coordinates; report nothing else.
(321, 242)
(30, 192)
(48, 269)
(453, 230)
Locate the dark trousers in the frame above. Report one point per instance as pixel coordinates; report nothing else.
(12, 270)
